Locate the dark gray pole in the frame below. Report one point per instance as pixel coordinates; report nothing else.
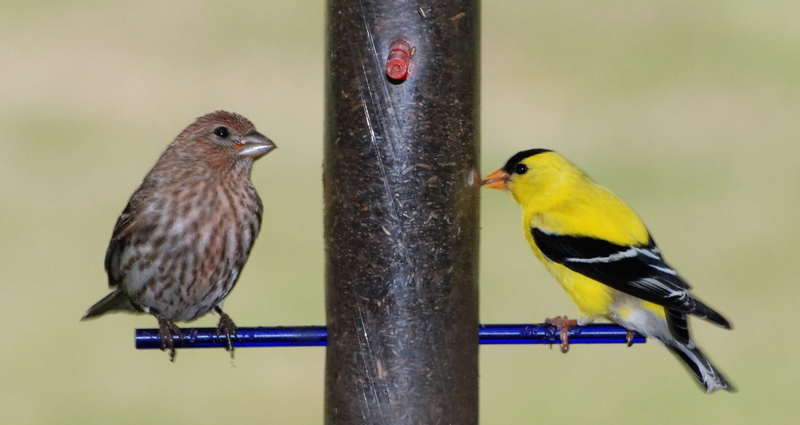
(401, 214)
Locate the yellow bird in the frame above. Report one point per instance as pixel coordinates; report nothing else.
(599, 250)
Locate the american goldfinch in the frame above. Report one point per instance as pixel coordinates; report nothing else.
(179, 246)
(600, 252)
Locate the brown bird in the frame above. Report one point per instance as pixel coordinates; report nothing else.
(180, 244)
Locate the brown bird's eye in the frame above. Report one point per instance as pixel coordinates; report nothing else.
(520, 169)
(221, 132)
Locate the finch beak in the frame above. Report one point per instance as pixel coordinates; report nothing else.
(254, 145)
(496, 180)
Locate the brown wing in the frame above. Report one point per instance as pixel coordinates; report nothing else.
(119, 240)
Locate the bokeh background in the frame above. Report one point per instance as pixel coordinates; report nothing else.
(689, 110)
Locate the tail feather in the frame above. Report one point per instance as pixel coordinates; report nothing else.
(677, 325)
(702, 369)
(117, 300)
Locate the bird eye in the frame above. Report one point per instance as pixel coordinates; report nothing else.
(221, 132)
(520, 169)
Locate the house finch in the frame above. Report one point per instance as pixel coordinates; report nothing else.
(178, 247)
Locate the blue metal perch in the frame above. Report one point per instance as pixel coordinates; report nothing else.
(310, 336)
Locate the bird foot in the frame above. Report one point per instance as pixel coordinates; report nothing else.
(227, 328)
(165, 329)
(629, 337)
(563, 324)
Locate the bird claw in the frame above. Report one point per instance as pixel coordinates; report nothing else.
(227, 328)
(165, 329)
(562, 324)
(629, 337)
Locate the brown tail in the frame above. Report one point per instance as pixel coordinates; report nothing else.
(117, 300)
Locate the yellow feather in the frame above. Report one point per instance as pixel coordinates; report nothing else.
(559, 199)
(556, 196)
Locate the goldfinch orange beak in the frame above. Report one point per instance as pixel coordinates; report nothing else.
(496, 180)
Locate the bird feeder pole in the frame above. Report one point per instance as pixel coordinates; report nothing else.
(401, 186)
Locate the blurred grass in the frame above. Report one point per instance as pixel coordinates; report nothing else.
(688, 110)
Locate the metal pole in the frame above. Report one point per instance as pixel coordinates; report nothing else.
(401, 214)
(317, 336)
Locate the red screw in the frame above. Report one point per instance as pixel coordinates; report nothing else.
(400, 54)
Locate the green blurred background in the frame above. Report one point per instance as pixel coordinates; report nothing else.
(689, 110)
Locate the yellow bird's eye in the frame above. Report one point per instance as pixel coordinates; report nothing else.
(520, 169)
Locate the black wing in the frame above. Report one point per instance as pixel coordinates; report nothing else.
(636, 270)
